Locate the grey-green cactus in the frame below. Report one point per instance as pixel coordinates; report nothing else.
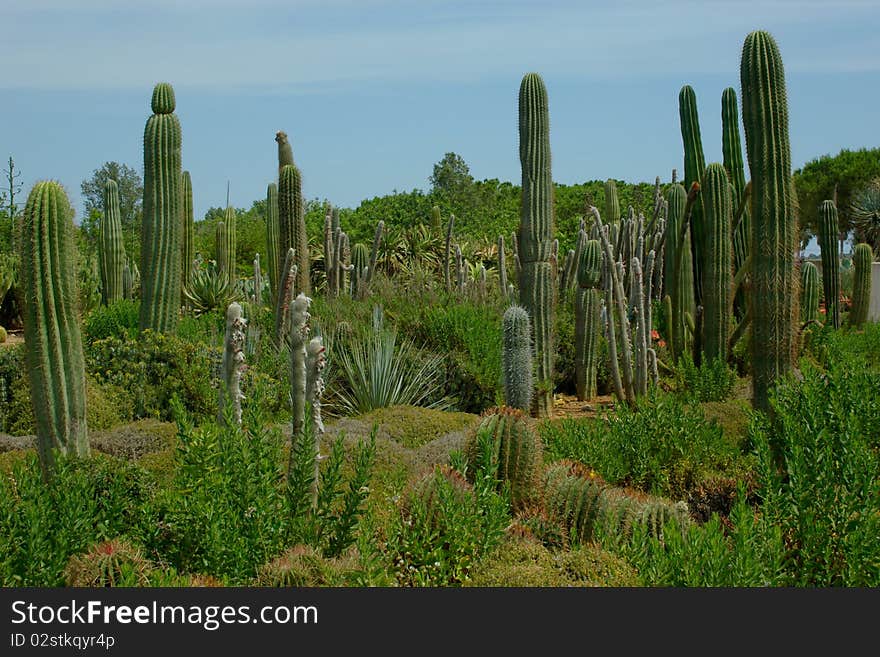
(112, 252)
(233, 364)
(774, 235)
(863, 256)
(162, 228)
(587, 312)
(828, 239)
(54, 356)
(517, 358)
(537, 281)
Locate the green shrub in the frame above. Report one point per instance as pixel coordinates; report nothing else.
(43, 524)
(711, 381)
(154, 368)
(117, 320)
(663, 446)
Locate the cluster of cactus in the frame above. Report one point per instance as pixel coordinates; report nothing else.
(162, 226)
(54, 358)
(307, 362)
(628, 271)
(828, 236)
(111, 252)
(589, 508)
(587, 316)
(337, 253)
(862, 258)
(537, 273)
(774, 232)
(233, 364)
(362, 269)
(809, 293)
(516, 454)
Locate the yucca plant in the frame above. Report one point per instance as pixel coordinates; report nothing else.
(865, 213)
(209, 289)
(377, 368)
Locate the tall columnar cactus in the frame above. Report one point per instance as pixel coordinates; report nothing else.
(127, 282)
(502, 267)
(612, 204)
(292, 223)
(680, 288)
(863, 256)
(717, 262)
(54, 355)
(586, 328)
(360, 263)
(731, 149)
(828, 236)
(112, 251)
(330, 264)
(436, 219)
(161, 234)
(232, 365)
(220, 246)
(258, 281)
(231, 240)
(285, 152)
(537, 284)
(809, 292)
(447, 263)
(774, 282)
(517, 452)
(284, 296)
(516, 358)
(694, 164)
(273, 239)
(187, 249)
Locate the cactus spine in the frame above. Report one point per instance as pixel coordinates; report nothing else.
(273, 240)
(517, 452)
(516, 358)
(112, 252)
(586, 330)
(809, 292)
(187, 251)
(160, 249)
(694, 164)
(828, 235)
(292, 223)
(537, 278)
(717, 262)
(233, 364)
(861, 299)
(774, 233)
(54, 356)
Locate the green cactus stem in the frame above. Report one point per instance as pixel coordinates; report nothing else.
(162, 227)
(612, 203)
(717, 262)
(285, 151)
(586, 328)
(517, 359)
(187, 249)
(54, 358)
(809, 293)
(273, 239)
(292, 224)
(694, 164)
(731, 148)
(111, 252)
(863, 256)
(828, 238)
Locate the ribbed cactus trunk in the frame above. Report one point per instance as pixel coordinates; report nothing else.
(516, 358)
(537, 281)
(285, 151)
(828, 237)
(680, 287)
(231, 242)
(54, 356)
(863, 256)
(220, 246)
(612, 204)
(161, 239)
(774, 236)
(731, 148)
(809, 292)
(586, 328)
(694, 164)
(232, 365)
(292, 224)
(187, 251)
(112, 252)
(717, 262)
(273, 239)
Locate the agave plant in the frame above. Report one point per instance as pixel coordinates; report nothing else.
(865, 213)
(377, 369)
(209, 289)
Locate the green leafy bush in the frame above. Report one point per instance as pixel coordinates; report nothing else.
(117, 320)
(710, 382)
(42, 524)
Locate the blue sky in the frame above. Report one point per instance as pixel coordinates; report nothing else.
(374, 92)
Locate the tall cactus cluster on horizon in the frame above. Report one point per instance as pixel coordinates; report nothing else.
(774, 230)
(162, 226)
(537, 279)
(54, 356)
